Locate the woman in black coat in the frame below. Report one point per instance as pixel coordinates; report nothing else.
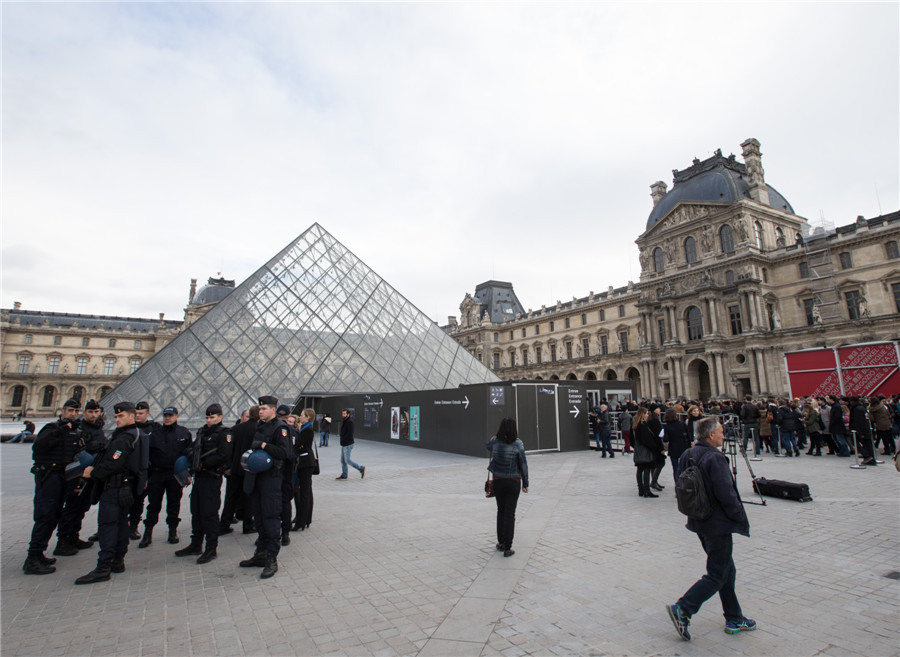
(306, 467)
(675, 435)
(647, 447)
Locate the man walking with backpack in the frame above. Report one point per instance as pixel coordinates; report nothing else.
(722, 516)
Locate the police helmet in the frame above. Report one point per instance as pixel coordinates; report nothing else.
(182, 470)
(256, 460)
(76, 468)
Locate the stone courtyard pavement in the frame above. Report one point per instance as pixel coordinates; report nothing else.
(403, 563)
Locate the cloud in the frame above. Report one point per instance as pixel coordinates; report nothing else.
(445, 144)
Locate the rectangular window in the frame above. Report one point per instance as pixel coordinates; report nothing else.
(808, 305)
(890, 248)
(602, 315)
(538, 355)
(551, 327)
(496, 337)
(81, 365)
(24, 363)
(537, 329)
(621, 310)
(584, 319)
(108, 364)
(54, 364)
(525, 356)
(135, 363)
(569, 350)
(552, 353)
(804, 269)
(846, 260)
(853, 299)
(604, 345)
(567, 322)
(511, 335)
(85, 342)
(496, 361)
(29, 338)
(586, 346)
(661, 327)
(112, 343)
(57, 340)
(734, 315)
(137, 344)
(895, 288)
(623, 342)
(523, 331)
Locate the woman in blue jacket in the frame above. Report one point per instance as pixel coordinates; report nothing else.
(510, 470)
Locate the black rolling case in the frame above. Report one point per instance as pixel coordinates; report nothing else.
(786, 490)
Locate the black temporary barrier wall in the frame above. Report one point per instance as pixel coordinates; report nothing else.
(551, 415)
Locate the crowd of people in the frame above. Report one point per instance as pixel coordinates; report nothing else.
(267, 461)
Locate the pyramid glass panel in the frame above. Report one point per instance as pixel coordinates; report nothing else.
(314, 320)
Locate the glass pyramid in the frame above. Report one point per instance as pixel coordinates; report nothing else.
(315, 320)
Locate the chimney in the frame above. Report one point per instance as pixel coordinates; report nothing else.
(193, 290)
(657, 192)
(756, 177)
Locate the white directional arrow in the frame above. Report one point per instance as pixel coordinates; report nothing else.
(574, 412)
(466, 397)
(380, 403)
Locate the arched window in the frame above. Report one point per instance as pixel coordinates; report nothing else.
(47, 396)
(104, 390)
(694, 323)
(690, 250)
(77, 393)
(757, 234)
(658, 265)
(726, 237)
(729, 277)
(18, 396)
(779, 236)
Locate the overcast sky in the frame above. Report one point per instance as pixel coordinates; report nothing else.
(444, 144)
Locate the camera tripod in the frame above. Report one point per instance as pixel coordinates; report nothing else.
(733, 445)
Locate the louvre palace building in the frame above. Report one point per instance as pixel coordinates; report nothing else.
(731, 279)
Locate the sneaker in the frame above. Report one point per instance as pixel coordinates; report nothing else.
(340, 478)
(681, 622)
(743, 625)
(362, 473)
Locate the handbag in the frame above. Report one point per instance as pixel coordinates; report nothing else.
(316, 469)
(489, 482)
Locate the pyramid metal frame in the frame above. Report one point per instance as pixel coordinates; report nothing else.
(315, 320)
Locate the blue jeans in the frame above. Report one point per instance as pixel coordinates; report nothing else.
(603, 442)
(719, 578)
(323, 439)
(839, 440)
(788, 442)
(345, 460)
(751, 428)
(21, 437)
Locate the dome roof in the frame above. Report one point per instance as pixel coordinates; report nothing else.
(716, 180)
(214, 291)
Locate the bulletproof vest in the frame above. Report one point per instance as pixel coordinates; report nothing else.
(92, 435)
(62, 452)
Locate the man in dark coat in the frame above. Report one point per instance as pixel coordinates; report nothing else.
(715, 533)
(237, 502)
(347, 442)
(836, 425)
(859, 423)
(147, 426)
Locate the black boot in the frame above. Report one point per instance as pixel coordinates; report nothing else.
(285, 538)
(117, 565)
(65, 548)
(135, 534)
(148, 536)
(208, 555)
(93, 538)
(82, 545)
(47, 561)
(98, 574)
(173, 534)
(35, 566)
(190, 550)
(258, 560)
(269, 569)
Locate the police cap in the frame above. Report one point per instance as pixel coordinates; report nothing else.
(142, 406)
(284, 410)
(124, 407)
(72, 403)
(170, 410)
(92, 405)
(213, 409)
(268, 400)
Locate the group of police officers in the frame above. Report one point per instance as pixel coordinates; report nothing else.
(75, 466)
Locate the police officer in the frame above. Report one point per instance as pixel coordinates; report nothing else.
(287, 475)
(167, 443)
(264, 488)
(211, 456)
(54, 448)
(147, 426)
(78, 491)
(118, 475)
(237, 502)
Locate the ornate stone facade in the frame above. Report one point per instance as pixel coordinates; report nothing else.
(731, 279)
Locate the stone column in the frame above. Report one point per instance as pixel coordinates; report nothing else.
(678, 375)
(676, 325)
(761, 370)
(720, 373)
(713, 311)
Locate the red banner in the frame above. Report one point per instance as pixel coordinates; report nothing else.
(865, 369)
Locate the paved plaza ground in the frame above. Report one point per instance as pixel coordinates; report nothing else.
(403, 563)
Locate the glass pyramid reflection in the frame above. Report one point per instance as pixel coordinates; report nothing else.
(315, 320)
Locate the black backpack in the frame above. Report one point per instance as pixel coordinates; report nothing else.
(690, 491)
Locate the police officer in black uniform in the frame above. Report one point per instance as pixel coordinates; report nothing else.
(167, 443)
(54, 448)
(119, 473)
(264, 488)
(237, 502)
(287, 476)
(147, 426)
(211, 457)
(78, 491)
